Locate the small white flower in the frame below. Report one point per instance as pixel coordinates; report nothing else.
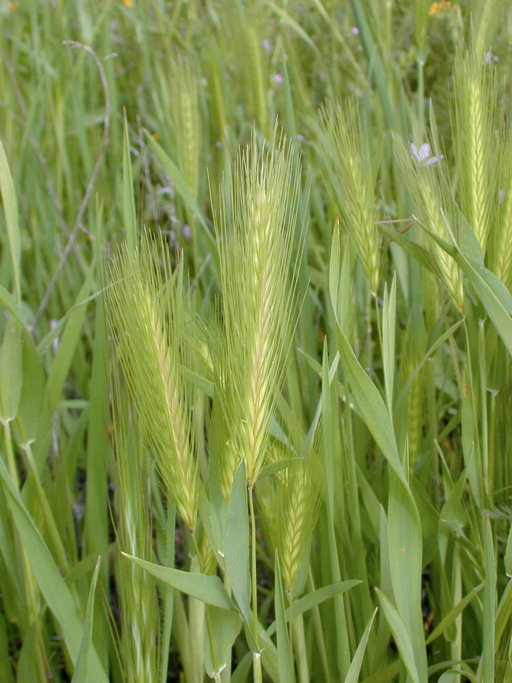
(423, 156)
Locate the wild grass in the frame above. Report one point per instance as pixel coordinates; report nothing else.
(255, 379)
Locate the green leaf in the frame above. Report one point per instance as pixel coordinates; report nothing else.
(448, 620)
(236, 544)
(60, 369)
(405, 562)
(278, 466)
(48, 577)
(11, 220)
(83, 665)
(371, 405)
(32, 390)
(340, 280)
(223, 626)
(209, 589)
(67, 345)
(357, 661)
(508, 554)
(11, 375)
(504, 613)
(419, 253)
(388, 341)
(495, 298)
(5, 660)
(486, 667)
(9, 302)
(313, 599)
(284, 655)
(400, 634)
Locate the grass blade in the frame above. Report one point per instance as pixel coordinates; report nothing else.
(11, 221)
(209, 589)
(49, 579)
(284, 655)
(83, 665)
(401, 636)
(357, 661)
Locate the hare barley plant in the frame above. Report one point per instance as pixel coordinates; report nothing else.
(255, 341)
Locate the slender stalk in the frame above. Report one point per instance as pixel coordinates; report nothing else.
(207, 618)
(9, 452)
(300, 648)
(320, 640)
(256, 658)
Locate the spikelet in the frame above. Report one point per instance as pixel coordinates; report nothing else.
(350, 179)
(288, 503)
(256, 254)
(433, 204)
(207, 560)
(431, 212)
(413, 353)
(475, 141)
(148, 322)
(503, 253)
(186, 121)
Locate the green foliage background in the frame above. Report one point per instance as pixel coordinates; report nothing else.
(271, 388)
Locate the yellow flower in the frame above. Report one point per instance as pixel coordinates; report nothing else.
(128, 3)
(436, 7)
(12, 7)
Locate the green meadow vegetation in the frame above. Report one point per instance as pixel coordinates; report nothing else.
(255, 341)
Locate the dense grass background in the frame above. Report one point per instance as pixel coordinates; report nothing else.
(367, 389)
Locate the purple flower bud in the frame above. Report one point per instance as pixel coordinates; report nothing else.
(354, 31)
(187, 231)
(278, 78)
(267, 45)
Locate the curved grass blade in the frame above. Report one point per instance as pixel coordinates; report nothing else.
(11, 221)
(454, 613)
(313, 599)
(236, 544)
(357, 661)
(48, 577)
(83, 665)
(400, 634)
(209, 589)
